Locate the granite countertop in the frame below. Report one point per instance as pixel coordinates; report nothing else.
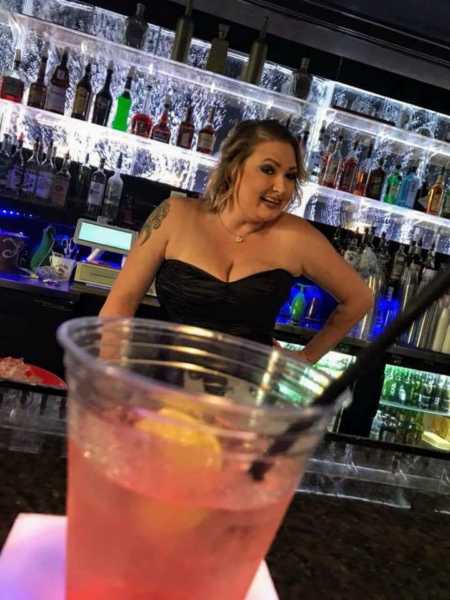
(327, 548)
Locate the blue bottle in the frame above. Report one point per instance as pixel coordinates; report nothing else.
(409, 188)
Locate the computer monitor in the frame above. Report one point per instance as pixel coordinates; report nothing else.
(104, 237)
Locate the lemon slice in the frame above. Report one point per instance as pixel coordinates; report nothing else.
(190, 455)
(188, 447)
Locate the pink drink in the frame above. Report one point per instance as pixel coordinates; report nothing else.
(162, 433)
(139, 529)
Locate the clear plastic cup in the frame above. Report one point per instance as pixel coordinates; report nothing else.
(164, 423)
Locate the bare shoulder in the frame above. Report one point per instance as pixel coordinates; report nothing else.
(291, 225)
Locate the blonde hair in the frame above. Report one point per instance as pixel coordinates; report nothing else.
(234, 151)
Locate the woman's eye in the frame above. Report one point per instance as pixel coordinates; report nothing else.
(267, 169)
(292, 176)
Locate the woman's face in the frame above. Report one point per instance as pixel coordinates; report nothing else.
(266, 183)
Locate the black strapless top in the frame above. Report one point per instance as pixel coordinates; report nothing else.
(247, 307)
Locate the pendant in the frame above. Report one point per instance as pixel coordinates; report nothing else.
(238, 239)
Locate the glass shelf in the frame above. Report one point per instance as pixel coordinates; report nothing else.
(387, 132)
(144, 157)
(400, 224)
(413, 408)
(155, 66)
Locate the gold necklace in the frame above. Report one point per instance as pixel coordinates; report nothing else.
(237, 238)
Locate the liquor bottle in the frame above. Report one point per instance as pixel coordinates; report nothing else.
(38, 90)
(375, 181)
(124, 102)
(136, 28)
(31, 173)
(58, 86)
(5, 161)
(207, 135)
(324, 156)
(302, 80)
(83, 96)
(362, 174)
(11, 83)
(61, 184)
(103, 100)
(254, 67)
(217, 56)
(82, 184)
(113, 195)
(408, 189)
(186, 130)
(346, 177)
(46, 176)
(96, 191)
(393, 186)
(142, 123)
(436, 195)
(12, 86)
(17, 170)
(445, 212)
(333, 166)
(183, 35)
(161, 129)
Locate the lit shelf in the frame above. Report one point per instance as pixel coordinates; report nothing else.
(157, 66)
(407, 407)
(167, 163)
(338, 208)
(383, 131)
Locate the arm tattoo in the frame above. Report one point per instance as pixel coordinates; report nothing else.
(154, 221)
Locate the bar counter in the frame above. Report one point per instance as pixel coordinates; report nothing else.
(327, 548)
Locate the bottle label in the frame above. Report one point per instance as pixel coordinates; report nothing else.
(101, 110)
(141, 128)
(161, 135)
(29, 181)
(81, 103)
(11, 88)
(56, 99)
(206, 142)
(375, 186)
(36, 97)
(185, 139)
(4, 168)
(44, 185)
(96, 193)
(59, 190)
(15, 178)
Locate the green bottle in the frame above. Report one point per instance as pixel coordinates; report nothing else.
(298, 306)
(124, 102)
(393, 186)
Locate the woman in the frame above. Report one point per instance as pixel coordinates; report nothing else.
(228, 260)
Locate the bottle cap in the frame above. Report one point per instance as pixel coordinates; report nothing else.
(223, 31)
(140, 9)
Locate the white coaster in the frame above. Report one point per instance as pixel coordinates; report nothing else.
(32, 562)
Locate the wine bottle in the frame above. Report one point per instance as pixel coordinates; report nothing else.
(83, 96)
(254, 67)
(217, 56)
(183, 35)
(38, 90)
(58, 86)
(103, 100)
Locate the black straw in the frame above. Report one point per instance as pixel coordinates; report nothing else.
(437, 288)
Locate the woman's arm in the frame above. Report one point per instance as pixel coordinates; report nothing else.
(323, 265)
(141, 265)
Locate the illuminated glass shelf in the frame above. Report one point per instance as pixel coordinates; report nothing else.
(413, 408)
(341, 209)
(390, 133)
(143, 157)
(156, 66)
